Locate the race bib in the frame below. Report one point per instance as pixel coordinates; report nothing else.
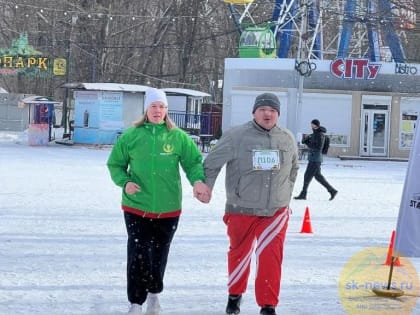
(265, 159)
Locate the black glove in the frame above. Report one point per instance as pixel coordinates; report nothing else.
(306, 140)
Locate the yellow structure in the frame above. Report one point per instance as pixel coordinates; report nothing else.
(241, 8)
(238, 1)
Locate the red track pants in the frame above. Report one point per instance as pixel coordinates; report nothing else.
(268, 234)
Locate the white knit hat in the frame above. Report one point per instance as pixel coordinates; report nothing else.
(154, 95)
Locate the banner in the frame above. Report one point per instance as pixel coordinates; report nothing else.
(407, 241)
(23, 59)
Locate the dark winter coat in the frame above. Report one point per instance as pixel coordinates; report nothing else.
(315, 143)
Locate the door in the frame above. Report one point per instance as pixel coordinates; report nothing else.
(374, 132)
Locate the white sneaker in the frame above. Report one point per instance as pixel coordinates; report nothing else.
(135, 309)
(153, 306)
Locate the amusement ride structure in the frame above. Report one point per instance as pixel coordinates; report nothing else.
(322, 29)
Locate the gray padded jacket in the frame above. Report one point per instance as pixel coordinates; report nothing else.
(250, 191)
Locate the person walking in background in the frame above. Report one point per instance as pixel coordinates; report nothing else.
(144, 162)
(315, 143)
(261, 168)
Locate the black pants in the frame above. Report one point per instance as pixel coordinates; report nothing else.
(314, 170)
(148, 246)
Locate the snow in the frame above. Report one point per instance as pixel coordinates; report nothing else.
(62, 236)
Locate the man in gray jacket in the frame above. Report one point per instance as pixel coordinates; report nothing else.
(261, 167)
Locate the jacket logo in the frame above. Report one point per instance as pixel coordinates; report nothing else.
(168, 148)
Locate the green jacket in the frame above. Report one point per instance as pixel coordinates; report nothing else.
(150, 155)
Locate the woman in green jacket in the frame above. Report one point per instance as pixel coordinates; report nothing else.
(145, 162)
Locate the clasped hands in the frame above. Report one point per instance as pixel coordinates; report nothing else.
(202, 192)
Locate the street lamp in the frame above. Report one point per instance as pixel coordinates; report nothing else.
(64, 120)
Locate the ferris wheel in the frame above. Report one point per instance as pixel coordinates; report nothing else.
(381, 24)
(240, 10)
(272, 34)
(365, 28)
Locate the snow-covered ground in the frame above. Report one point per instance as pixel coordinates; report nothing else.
(62, 236)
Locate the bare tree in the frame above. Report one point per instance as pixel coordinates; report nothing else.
(167, 43)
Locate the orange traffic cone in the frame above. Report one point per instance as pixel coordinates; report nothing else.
(388, 261)
(306, 224)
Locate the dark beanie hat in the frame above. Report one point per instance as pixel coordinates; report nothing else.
(267, 99)
(316, 122)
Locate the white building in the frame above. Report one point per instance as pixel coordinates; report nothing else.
(369, 108)
(103, 110)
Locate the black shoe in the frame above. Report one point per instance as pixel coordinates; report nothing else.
(333, 193)
(300, 197)
(268, 310)
(234, 301)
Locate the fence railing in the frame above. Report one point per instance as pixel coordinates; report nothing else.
(196, 124)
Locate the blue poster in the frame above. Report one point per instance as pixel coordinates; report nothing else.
(110, 111)
(97, 116)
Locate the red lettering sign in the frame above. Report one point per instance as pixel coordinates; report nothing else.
(354, 69)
